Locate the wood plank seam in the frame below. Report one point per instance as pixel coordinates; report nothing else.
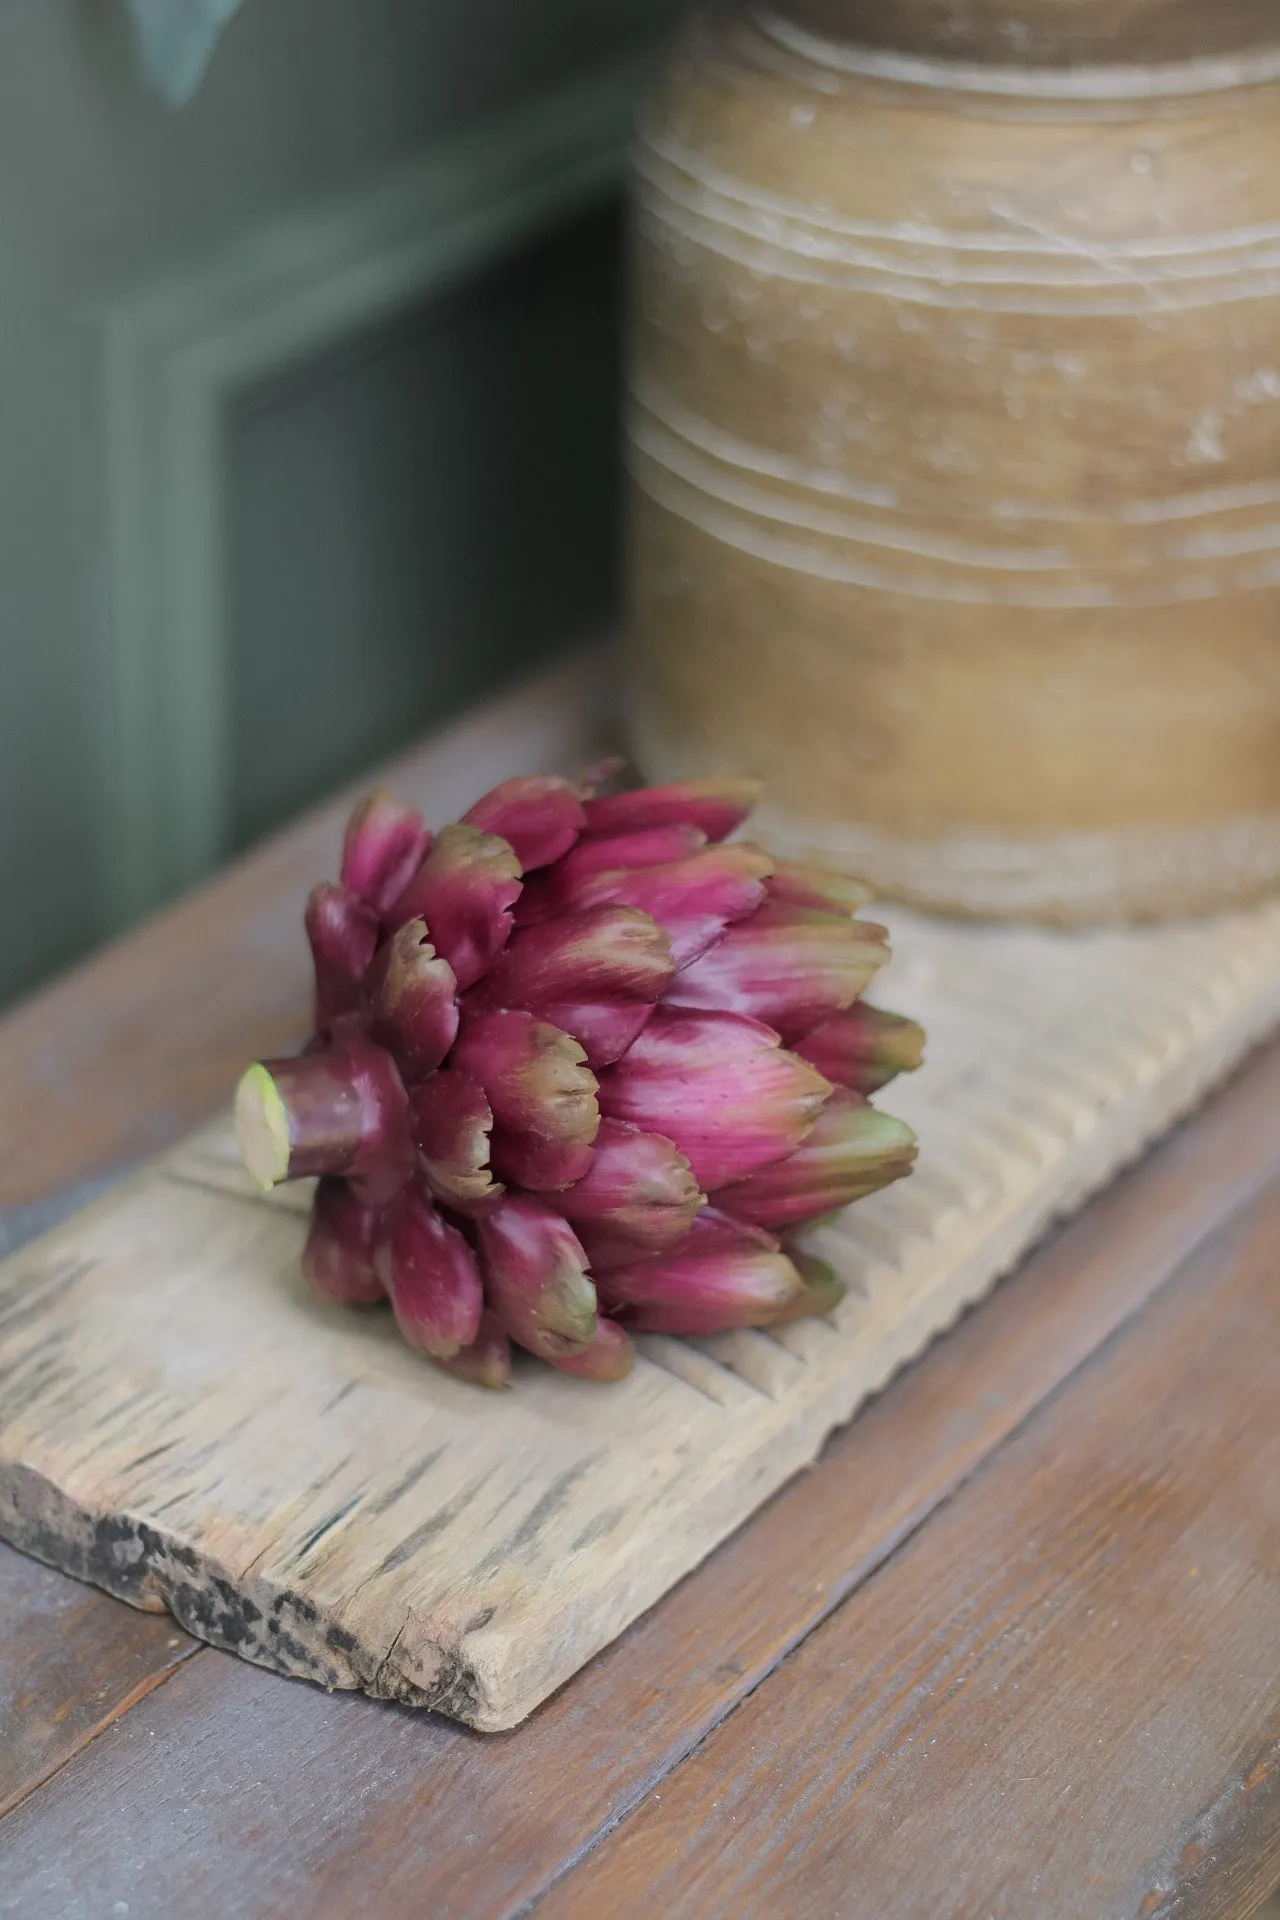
(1002, 1614)
(895, 1543)
(1179, 1881)
(148, 1685)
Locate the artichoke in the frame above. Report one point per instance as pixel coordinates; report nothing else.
(582, 1064)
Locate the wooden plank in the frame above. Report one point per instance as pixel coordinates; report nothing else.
(129, 1050)
(182, 1422)
(362, 1809)
(71, 1661)
(1064, 1698)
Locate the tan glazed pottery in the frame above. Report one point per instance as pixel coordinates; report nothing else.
(955, 439)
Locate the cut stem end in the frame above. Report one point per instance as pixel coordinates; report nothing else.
(262, 1128)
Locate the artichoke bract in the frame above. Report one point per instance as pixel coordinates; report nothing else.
(581, 1063)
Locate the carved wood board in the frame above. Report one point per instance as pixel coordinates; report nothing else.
(183, 1425)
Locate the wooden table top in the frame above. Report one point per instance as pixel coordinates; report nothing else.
(1009, 1649)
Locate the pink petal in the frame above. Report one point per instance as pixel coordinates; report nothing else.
(539, 814)
(465, 891)
(601, 953)
(852, 1150)
(864, 1048)
(817, 887)
(433, 1278)
(536, 1278)
(610, 1356)
(411, 994)
(604, 1029)
(451, 1122)
(640, 1196)
(720, 1087)
(788, 966)
(487, 1361)
(716, 806)
(542, 1093)
(648, 847)
(550, 892)
(386, 842)
(338, 1258)
(693, 900)
(721, 1276)
(343, 933)
(543, 1166)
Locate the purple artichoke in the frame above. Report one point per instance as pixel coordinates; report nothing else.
(581, 1064)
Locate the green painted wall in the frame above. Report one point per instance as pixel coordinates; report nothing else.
(409, 519)
(418, 521)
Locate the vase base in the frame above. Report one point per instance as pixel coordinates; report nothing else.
(1120, 875)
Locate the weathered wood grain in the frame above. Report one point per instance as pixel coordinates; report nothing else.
(71, 1661)
(1062, 1699)
(131, 1049)
(184, 1425)
(420, 1816)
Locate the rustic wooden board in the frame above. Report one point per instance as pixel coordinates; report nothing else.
(182, 1424)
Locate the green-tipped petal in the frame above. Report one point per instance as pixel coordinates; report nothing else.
(536, 1278)
(720, 1087)
(852, 1151)
(863, 1048)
